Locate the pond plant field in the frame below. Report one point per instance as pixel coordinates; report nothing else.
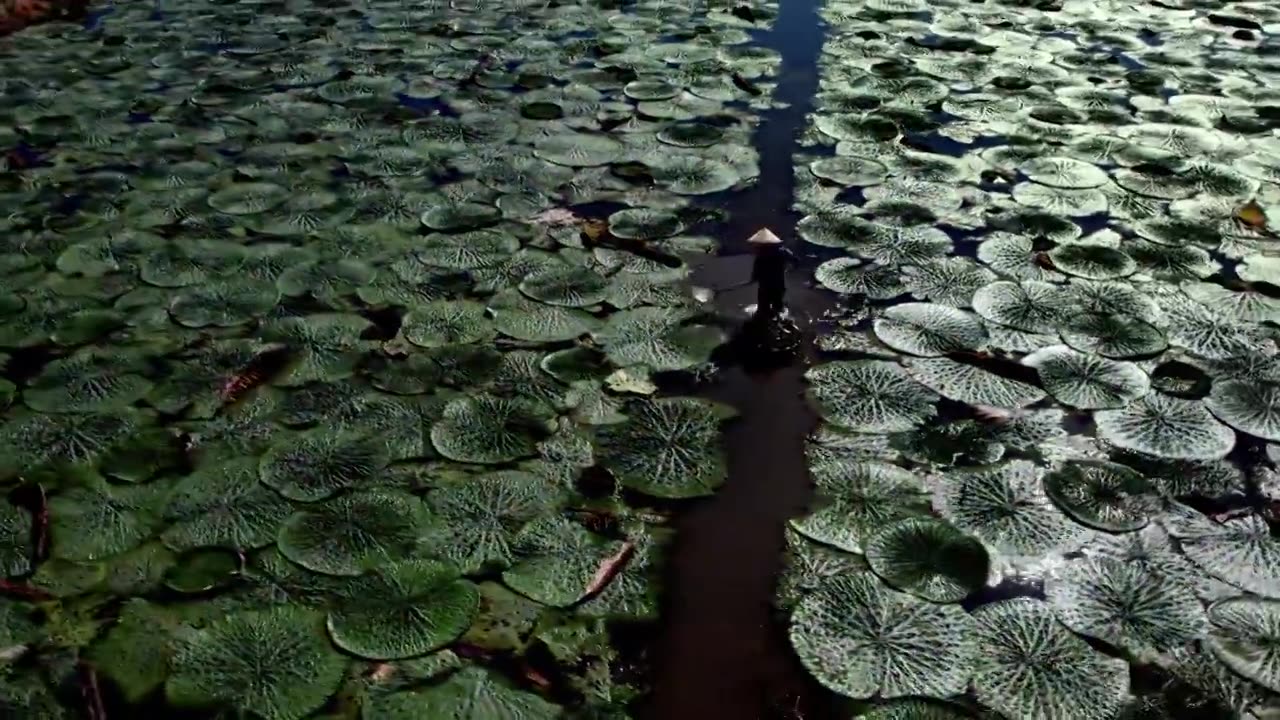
(358, 360)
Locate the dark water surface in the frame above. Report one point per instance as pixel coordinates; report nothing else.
(721, 654)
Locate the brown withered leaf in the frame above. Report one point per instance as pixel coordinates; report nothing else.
(610, 568)
(594, 229)
(1252, 216)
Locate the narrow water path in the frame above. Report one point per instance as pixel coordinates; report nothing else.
(720, 654)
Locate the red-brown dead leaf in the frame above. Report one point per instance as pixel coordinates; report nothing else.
(90, 691)
(537, 679)
(261, 368)
(23, 591)
(610, 568)
(41, 529)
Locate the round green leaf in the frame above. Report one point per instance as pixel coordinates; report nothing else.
(929, 329)
(1005, 507)
(557, 559)
(869, 396)
(1251, 407)
(1245, 636)
(1030, 667)
(644, 224)
(913, 710)
(403, 609)
(353, 533)
(1093, 262)
(1102, 495)
(850, 171)
(570, 286)
(516, 316)
(486, 429)
(469, 694)
(248, 198)
(972, 385)
(928, 558)
(88, 381)
(579, 149)
(222, 504)
(1241, 552)
(668, 448)
(855, 499)
(322, 462)
(861, 639)
(224, 302)
(850, 276)
(1088, 381)
(1167, 427)
(689, 175)
(1126, 605)
(101, 520)
(276, 663)
(446, 322)
(1030, 305)
(1064, 172)
(659, 338)
(480, 516)
(15, 540)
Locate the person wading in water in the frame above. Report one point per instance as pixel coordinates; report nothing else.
(769, 272)
(769, 339)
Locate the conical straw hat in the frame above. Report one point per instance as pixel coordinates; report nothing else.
(764, 236)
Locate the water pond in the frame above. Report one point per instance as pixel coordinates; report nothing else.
(367, 360)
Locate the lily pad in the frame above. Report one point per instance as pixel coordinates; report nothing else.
(1103, 495)
(928, 558)
(869, 396)
(1245, 636)
(101, 520)
(861, 640)
(402, 610)
(516, 316)
(855, 498)
(668, 448)
(972, 385)
(929, 329)
(851, 276)
(353, 533)
(1029, 666)
(487, 429)
(223, 504)
(1093, 262)
(659, 338)
(321, 462)
(1241, 552)
(579, 149)
(570, 286)
(557, 560)
(480, 516)
(1031, 305)
(446, 322)
(15, 540)
(276, 663)
(1167, 427)
(88, 381)
(472, 693)
(644, 224)
(1251, 407)
(1005, 507)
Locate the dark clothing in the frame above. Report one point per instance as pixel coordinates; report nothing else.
(769, 271)
(768, 340)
